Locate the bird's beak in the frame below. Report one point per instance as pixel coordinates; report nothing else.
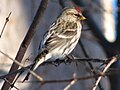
(82, 18)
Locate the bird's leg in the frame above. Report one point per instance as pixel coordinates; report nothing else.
(69, 59)
(57, 62)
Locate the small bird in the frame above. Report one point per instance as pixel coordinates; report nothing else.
(61, 38)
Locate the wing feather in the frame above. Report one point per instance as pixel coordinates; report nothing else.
(59, 34)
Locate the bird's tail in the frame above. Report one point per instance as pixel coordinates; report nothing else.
(38, 60)
(28, 74)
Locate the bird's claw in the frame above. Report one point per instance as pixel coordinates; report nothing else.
(57, 62)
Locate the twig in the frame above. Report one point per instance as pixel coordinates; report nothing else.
(7, 20)
(89, 63)
(71, 79)
(14, 72)
(47, 63)
(52, 63)
(113, 59)
(110, 72)
(11, 84)
(66, 80)
(104, 70)
(71, 83)
(26, 41)
(22, 66)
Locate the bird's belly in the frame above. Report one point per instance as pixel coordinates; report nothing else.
(57, 54)
(65, 48)
(61, 52)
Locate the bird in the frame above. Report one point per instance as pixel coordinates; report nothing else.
(61, 37)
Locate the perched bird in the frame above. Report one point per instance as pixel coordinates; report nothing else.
(61, 38)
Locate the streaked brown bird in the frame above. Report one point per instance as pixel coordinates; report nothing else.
(61, 38)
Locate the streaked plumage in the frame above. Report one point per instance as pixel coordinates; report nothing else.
(61, 38)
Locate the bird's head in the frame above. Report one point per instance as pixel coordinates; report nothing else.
(73, 14)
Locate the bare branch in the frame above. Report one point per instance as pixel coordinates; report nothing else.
(89, 63)
(11, 84)
(71, 83)
(72, 80)
(66, 80)
(22, 66)
(105, 61)
(26, 41)
(104, 70)
(7, 20)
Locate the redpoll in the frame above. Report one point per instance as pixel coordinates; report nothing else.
(62, 36)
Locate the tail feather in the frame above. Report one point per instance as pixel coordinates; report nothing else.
(28, 74)
(36, 64)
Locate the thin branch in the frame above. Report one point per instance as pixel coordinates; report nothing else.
(11, 84)
(14, 72)
(89, 63)
(53, 63)
(66, 80)
(46, 63)
(22, 66)
(24, 45)
(113, 59)
(104, 70)
(73, 80)
(7, 20)
(49, 63)
(71, 83)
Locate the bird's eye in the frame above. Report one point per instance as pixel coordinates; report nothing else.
(77, 15)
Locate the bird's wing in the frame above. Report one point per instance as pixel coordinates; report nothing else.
(60, 32)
